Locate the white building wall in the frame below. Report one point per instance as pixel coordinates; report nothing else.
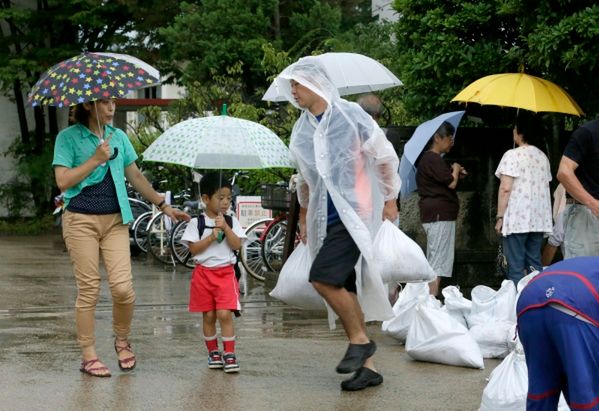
(10, 130)
(383, 10)
(165, 91)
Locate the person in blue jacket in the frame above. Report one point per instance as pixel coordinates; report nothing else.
(558, 325)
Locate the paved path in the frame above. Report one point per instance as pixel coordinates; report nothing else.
(287, 356)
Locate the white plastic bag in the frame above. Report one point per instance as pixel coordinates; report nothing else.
(403, 309)
(492, 338)
(436, 337)
(508, 385)
(456, 305)
(525, 280)
(399, 258)
(293, 286)
(489, 305)
(507, 388)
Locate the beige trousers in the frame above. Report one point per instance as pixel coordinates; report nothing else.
(88, 237)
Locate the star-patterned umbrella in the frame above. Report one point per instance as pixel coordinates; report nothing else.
(92, 76)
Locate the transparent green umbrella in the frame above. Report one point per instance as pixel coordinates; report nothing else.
(219, 142)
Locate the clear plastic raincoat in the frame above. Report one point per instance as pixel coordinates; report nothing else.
(347, 155)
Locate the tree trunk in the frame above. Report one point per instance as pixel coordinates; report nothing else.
(40, 130)
(277, 21)
(25, 139)
(52, 122)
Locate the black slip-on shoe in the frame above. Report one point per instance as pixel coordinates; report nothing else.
(363, 378)
(355, 357)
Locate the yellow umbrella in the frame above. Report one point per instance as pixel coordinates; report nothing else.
(521, 91)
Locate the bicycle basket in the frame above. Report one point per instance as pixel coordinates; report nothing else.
(275, 197)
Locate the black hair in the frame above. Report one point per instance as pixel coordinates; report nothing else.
(78, 114)
(532, 130)
(212, 182)
(446, 129)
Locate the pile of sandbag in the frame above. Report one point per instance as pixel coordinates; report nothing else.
(433, 333)
(489, 320)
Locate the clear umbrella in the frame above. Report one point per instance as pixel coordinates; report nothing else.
(219, 142)
(351, 73)
(414, 146)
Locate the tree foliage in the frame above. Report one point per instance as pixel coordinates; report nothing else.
(198, 42)
(444, 46)
(228, 51)
(37, 37)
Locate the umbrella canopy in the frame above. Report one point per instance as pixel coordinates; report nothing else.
(92, 76)
(521, 91)
(351, 73)
(219, 142)
(415, 145)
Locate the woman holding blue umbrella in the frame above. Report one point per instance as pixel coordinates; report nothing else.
(439, 204)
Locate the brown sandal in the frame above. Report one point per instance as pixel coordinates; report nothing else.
(127, 348)
(93, 371)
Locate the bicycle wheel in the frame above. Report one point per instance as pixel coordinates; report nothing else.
(159, 238)
(250, 253)
(180, 250)
(272, 246)
(138, 208)
(140, 231)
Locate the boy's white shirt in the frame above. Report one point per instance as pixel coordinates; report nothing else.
(217, 254)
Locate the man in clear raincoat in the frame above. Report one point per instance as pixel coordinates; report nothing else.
(348, 183)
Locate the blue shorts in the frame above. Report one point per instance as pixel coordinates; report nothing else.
(562, 355)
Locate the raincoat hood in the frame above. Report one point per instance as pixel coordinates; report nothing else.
(309, 72)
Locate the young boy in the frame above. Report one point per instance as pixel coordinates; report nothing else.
(214, 290)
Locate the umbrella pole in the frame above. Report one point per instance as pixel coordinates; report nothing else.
(100, 128)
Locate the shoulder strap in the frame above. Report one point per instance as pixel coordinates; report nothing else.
(229, 220)
(201, 225)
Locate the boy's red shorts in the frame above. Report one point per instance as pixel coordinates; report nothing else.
(213, 288)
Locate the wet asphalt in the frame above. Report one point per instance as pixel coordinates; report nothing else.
(287, 356)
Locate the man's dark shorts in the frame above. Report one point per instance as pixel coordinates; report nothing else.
(334, 264)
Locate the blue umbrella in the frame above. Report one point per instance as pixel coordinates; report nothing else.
(414, 146)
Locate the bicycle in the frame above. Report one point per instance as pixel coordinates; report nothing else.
(156, 236)
(263, 249)
(275, 197)
(251, 249)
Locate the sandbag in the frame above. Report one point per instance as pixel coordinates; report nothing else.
(456, 305)
(490, 305)
(507, 388)
(525, 280)
(436, 337)
(399, 258)
(410, 296)
(492, 338)
(293, 286)
(508, 385)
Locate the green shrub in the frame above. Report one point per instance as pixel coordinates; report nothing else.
(27, 226)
